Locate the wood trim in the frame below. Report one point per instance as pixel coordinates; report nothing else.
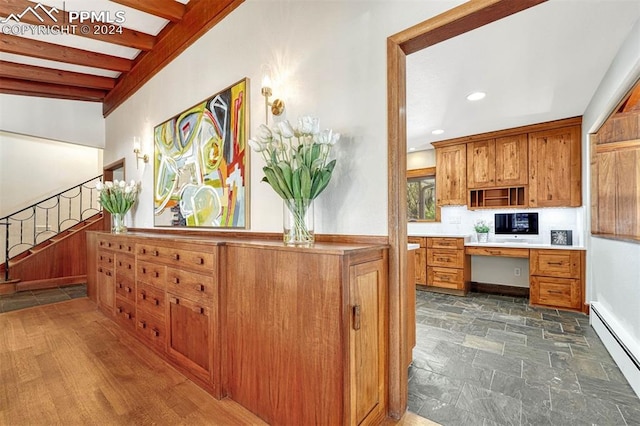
(459, 20)
(538, 127)
(49, 75)
(200, 16)
(505, 290)
(167, 9)
(46, 90)
(51, 283)
(427, 171)
(618, 146)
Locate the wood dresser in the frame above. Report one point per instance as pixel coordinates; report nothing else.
(295, 335)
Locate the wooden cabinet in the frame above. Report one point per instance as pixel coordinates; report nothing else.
(556, 278)
(451, 175)
(511, 160)
(555, 168)
(448, 267)
(481, 164)
(420, 259)
(105, 279)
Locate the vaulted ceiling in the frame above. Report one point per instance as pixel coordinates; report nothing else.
(96, 50)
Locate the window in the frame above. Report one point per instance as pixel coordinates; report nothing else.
(421, 195)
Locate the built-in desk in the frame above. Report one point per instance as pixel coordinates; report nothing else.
(556, 273)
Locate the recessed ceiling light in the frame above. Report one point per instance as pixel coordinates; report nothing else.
(437, 132)
(412, 149)
(476, 96)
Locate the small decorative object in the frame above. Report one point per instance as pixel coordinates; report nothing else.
(561, 238)
(482, 230)
(117, 198)
(298, 169)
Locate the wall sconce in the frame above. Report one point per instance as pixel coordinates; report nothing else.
(277, 106)
(136, 150)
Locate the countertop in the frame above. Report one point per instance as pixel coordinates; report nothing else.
(522, 245)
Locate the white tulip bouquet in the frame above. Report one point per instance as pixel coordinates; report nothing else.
(117, 196)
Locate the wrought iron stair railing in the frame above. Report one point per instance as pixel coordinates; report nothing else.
(44, 220)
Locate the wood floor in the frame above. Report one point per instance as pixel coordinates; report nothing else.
(66, 363)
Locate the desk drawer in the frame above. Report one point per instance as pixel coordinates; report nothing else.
(560, 292)
(445, 243)
(498, 251)
(417, 240)
(556, 263)
(445, 278)
(151, 273)
(203, 260)
(125, 287)
(445, 257)
(191, 285)
(150, 299)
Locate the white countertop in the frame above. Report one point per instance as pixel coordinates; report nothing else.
(412, 246)
(441, 235)
(522, 245)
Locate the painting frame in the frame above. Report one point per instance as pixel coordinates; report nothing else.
(201, 163)
(561, 238)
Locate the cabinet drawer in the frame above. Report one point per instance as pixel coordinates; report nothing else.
(556, 263)
(178, 257)
(445, 242)
(105, 258)
(151, 273)
(124, 247)
(126, 265)
(106, 270)
(498, 251)
(417, 240)
(445, 278)
(152, 329)
(560, 292)
(191, 285)
(105, 242)
(125, 288)
(445, 257)
(150, 299)
(125, 312)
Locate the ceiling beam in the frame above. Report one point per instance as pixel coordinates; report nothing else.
(459, 20)
(200, 16)
(45, 90)
(53, 52)
(128, 38)
(53, 76)
(167, 9)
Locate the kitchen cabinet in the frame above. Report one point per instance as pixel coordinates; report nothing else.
(556, 278)
(555, 167)
(481, 164)
(105, 280)
(448, 267)
(451, 175)
(420, 259)
(511, 158)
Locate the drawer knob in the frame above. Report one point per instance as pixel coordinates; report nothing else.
(199, 310)
(175, 300)
(142, 324)
(157, 274)
(156, 332)
(156, 301)
(143, 295)
(143, 251)
(128, 315)
(156, 253)
(108, 273)
(144, 270)
(99, 269)
(176, 280)
(200, 287)
(128, 289)
(200, 261)
(176, 256)
(119, 285)
(119, 309)
(120, 246)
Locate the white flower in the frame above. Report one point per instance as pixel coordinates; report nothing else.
(308, 125)
(284, 129)
(109, 184)
(257, 146)
(122, 184)
(264, 134)
(334, 138)
(133, 183)
(99, 186)
(327, 137)
(127, 190)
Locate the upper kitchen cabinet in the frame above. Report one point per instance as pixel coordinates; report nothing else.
(481, 156)
(555, 168)
(451, 175)
(497, 162)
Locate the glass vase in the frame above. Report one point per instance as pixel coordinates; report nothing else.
(298, 222)
(117, 223)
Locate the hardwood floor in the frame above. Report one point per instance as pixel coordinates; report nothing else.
(66, 363)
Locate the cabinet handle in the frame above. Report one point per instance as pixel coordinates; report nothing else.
(119, 285)
(156, 301)
(442, 259)
(128, 315)
(109, 245)
(199, 310)
(109, 260)
(142, 324)
(119, 309)
(108, 273)
(555, 263)
(101, 257)
(175, 300)
(143, 295)
(128, 289)
(356, 317)
(157, 274)
(120, 246)
(144, 270)
(176, 256)
(554, 292)
(200, 261)
(200, 287)
(156, 332)
(176, 280)
(99, 269)
(143, 251)
(156, 253)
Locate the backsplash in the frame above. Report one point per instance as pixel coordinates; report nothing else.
(460, 220)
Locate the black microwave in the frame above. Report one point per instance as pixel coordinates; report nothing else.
(516, 223)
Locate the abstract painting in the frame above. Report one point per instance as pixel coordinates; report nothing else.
(201, 164)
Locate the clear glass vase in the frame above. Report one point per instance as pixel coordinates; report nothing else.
(117, 223)
(298, 222)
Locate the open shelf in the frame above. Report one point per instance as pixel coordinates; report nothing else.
(497, 197)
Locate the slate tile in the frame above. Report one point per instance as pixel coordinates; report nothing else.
(434, 385)
(511, 319)
(566, 338)
(553, 377)
(548, 345)
(14, 305)
(545, 325)
(506, 336)
(590, 409)
(489, 323)
(448, 414)
(528, 353)
(613, 373)
(540, 416)
(484, 344)
(477, 376)
(524, 329)
(491, 405)
(631, 414)
(504, 364)
(613, 391)
(521, 389)
(578, 365)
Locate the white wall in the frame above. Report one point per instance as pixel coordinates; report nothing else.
(35, 168)
(613, 267)
(329, 60)
(421, 159)
(56, 119)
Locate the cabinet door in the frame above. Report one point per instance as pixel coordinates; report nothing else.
(421, 266)
(367, 341)
(556, 292)
(511, 160)
(451, 175)
(190, 336)
(554, 168)
(106, 289)
(481, 164)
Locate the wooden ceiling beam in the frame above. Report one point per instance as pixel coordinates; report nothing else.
(167, 9)
(128, 37)
(200, 16)
(54, 76)
(45, 90)
(53, 52)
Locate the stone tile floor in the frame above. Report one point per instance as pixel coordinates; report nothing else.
(494, 360)
(27, 299)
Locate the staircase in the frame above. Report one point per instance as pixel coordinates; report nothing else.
(45, 244)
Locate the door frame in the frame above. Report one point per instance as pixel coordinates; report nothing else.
(459, 20)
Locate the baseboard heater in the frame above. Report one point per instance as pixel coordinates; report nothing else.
(624, 347)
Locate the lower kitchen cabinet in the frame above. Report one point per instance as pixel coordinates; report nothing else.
(556, 278)
(448, 267)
